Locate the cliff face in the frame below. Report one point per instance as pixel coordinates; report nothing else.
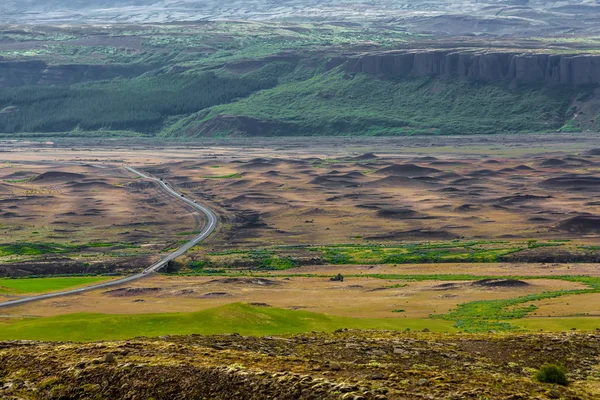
(20, 73)
(582, 69)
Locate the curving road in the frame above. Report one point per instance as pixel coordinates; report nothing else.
(209, 228)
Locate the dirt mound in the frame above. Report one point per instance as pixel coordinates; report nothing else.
(449, 175)
(500, 283)
(91, 185)
(268, 186)
(450, 189)
(352, 174)
(427, 179)
(257, 165)
(373, 206)
(425, 159)
(131, 292)
(467, 208)
(364, 157)
(398, 181)
(215, 295)
(523, 168)
(448, 163)
(415, 234)
(468, 181)
(578, 160)
(583, 224)
(259, 305)
(593, 152)
(57, 176)
(245, 281)
(408, 170)
(401, 213)
(240, 182)
(553, 162)
(142, 185)
(572, 181)
(483, 173)
(539, 219)
(492, 161)
(517, 199)
(334, 180)
(182, 292)
(447, 286)
(254, 198)
(19, 175)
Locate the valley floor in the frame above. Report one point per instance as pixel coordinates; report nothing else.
(429, 268)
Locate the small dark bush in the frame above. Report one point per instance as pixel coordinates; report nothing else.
(552, 373)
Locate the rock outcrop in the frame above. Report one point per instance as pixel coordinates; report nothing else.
(524, 68)
(35, 72)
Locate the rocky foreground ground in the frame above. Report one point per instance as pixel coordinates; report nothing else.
(341, 365)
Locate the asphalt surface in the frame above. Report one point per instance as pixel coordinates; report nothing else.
(209, 228)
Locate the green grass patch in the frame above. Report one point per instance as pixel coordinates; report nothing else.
(35, 249)
(229, 176)
(557, 324)
(405, 253)
(240, 318)
(45, 285)
(100, 245)
(484, 315)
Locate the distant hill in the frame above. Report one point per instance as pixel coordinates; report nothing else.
(507, 17)
(248, 78)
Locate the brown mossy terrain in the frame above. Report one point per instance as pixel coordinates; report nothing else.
(346, 364)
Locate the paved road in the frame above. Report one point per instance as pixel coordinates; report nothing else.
(209, 228)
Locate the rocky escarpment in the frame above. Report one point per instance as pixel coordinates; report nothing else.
(35, 72)
(524, 68)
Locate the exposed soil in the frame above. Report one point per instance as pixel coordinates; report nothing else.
(500, 283)
(583, 224)
(409, 170)
(58, 176)
(131, 292)
(245, 281)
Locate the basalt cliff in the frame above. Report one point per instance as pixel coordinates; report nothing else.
(497, 66)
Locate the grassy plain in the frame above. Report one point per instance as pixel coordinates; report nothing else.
(232, 318)
(45, 285)
(280, 303)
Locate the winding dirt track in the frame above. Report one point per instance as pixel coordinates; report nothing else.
(207, 230)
